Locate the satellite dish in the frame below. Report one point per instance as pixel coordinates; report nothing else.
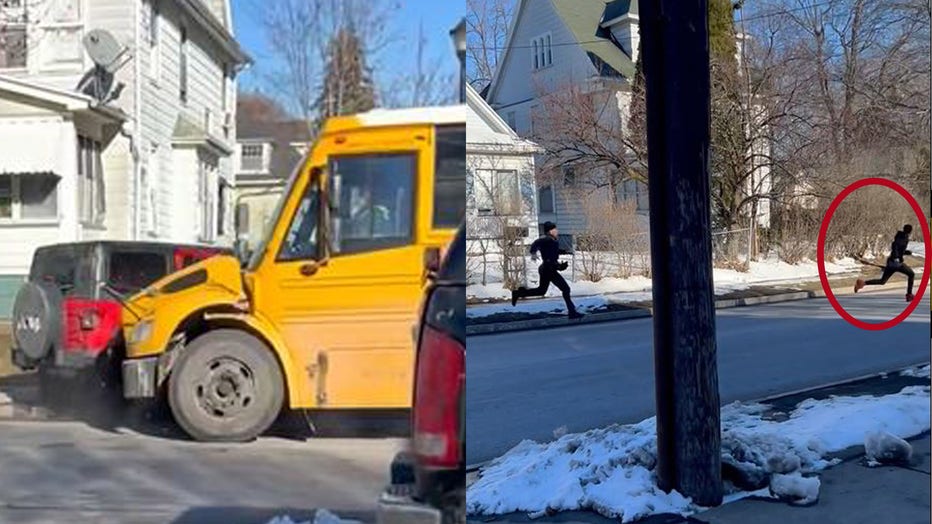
(104, 50)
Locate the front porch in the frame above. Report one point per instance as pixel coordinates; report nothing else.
(52, 183)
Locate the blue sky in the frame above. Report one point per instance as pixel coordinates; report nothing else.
(438, 17)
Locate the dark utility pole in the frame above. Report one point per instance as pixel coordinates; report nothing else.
(675, 43)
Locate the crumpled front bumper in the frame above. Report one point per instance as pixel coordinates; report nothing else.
(396, 506)
(140, 377)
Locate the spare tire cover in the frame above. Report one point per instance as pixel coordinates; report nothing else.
(36, 319)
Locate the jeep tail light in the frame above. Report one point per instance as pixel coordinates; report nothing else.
(439, 381)
(89, 326)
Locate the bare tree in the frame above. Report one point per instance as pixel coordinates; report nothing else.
(427, 85)
(487, 27)
(616, 243)
(585, 127)
(299, 33)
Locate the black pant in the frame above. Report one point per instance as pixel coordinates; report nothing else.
(889, 271)
(548, 273)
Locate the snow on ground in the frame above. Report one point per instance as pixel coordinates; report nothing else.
(592, 295)
(321, 516)
(610, 470)
(918, 249)
(919, 372)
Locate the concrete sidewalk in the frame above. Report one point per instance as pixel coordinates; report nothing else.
(850, 494)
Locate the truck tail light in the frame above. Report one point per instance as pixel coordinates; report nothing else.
(439, 381)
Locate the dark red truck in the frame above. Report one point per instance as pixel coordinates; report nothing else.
(428, 484)
(66, 317)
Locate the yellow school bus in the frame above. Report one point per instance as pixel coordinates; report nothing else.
(321, 315)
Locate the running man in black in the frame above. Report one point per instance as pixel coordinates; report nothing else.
(549, 269)
(895, 264)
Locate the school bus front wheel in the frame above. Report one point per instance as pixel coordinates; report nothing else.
(226, 386)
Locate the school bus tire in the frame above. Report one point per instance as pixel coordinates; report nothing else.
(226, 386)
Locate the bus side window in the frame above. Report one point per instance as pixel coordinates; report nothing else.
(450, 177)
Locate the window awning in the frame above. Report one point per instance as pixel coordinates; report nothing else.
(35, 146)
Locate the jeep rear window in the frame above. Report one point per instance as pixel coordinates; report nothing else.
(132, 271)
(70, 268)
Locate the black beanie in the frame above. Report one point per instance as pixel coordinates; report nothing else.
(549, 226)
(908, 228)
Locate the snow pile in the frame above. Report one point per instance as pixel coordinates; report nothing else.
(881, 447)
(285, 519)
(610, 470)
(321, 516)
(769, 271)
(795, 488)
(918, 249)
(919, 372)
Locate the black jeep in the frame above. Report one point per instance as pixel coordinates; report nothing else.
(67, 316)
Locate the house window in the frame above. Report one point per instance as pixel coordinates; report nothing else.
(224, 87)
(507, 192)
(152, 39)
(25, 197)
(252, 157)
(569, 176)
(222, 201)
(206, 196)
(543, 55)
(512, 121)
(642, 196)
(532, 117)
(497, 192)
(6, 196)
(450, 177)
(12, 45)
(64, 11)
(183, 66)
(90, 182)
(545, 199)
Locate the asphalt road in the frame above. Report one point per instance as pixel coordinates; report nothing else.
(71, 472)
(526, 384)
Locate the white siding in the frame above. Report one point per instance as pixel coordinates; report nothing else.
(162, 109)
(519, 81)
(20, 242)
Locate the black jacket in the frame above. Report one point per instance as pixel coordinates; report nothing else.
(549, 249)
(898, 248)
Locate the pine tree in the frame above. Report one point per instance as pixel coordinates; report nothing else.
(347, 87)
(637, 112)
(728, 138)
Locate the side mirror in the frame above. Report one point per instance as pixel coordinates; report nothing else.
(242, 219)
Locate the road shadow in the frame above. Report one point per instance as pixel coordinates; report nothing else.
(104, 409)
(245, 515)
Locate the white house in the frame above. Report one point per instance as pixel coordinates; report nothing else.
(501, 196)
(267, 153)
(142, 153)
(592, 45)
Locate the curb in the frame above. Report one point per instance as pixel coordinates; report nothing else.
(727, 303)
